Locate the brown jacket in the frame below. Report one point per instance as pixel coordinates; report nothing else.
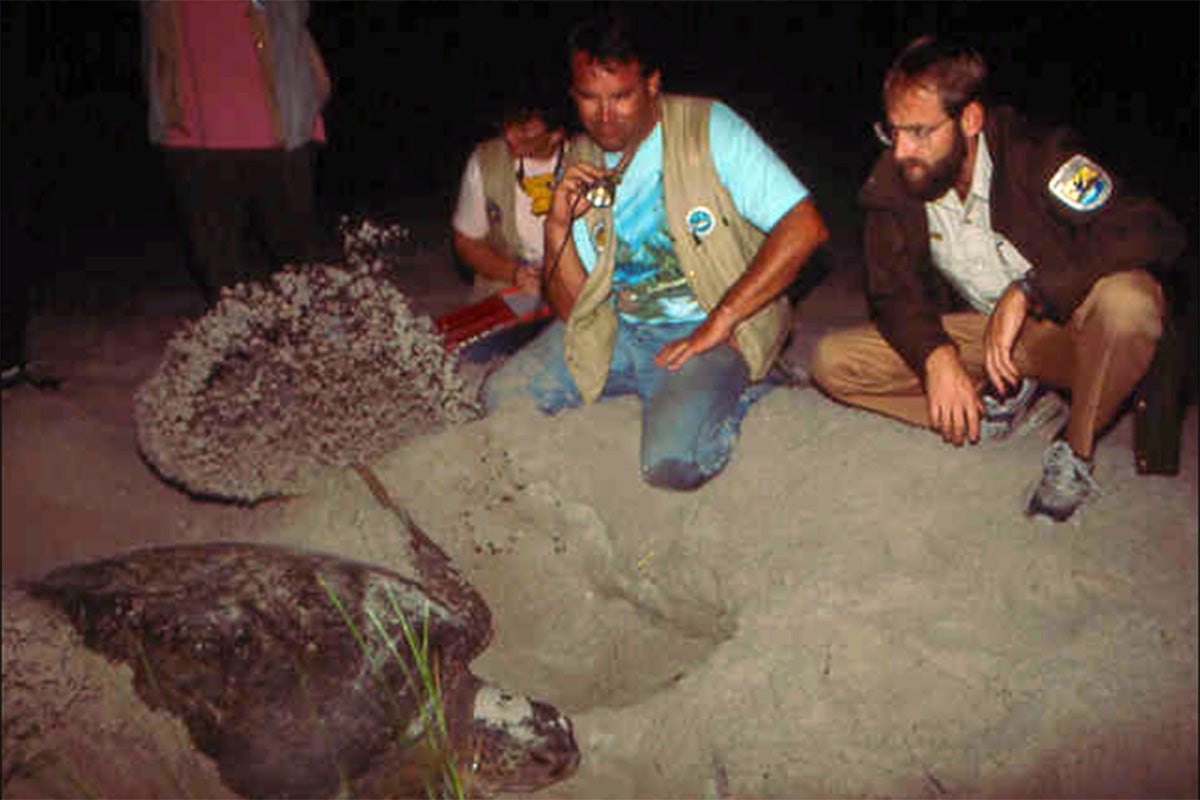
(1069, 250)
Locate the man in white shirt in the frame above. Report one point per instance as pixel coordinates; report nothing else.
(504, 195)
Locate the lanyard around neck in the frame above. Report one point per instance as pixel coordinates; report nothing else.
(558, 167)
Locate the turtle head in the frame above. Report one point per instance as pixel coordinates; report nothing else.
(519, 744)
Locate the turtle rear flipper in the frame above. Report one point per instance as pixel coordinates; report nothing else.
(298, 749)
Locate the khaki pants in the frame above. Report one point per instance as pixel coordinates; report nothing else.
(1099, 355)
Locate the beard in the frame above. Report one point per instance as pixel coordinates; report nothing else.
(929, 181)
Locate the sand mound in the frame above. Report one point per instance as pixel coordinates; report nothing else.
(74, 726)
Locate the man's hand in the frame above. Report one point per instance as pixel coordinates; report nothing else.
(528, 278)
(714, 331)
(563, 275)
(954, 405)
(1002, 328)
(486, 260)
(567, 202)
(779, 258)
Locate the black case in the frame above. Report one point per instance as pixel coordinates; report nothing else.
(1158, 415)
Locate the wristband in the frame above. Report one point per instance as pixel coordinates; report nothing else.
(1032, 296)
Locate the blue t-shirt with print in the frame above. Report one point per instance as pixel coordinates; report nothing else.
(648, 280)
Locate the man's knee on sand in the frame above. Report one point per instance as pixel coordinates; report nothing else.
(536, 373)
(681, 451)
(680, 476)
(836, 366)
(683, 462)
(540, 388)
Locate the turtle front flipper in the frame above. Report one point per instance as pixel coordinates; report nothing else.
(437, 571)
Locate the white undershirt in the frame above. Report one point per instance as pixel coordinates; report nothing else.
(470, 215)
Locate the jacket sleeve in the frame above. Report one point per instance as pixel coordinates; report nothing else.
(160, 67)
(901, 306)
(1127, 232)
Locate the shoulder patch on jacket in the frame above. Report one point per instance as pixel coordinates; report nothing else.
(1081, 184)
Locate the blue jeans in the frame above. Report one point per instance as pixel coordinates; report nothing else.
(690, 417)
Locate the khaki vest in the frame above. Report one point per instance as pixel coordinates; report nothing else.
(712, 262)
(499, 192)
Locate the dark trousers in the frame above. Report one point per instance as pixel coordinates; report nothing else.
(14, 313)
(229, 201)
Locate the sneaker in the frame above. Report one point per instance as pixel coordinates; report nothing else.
(1046, 416)
(1067, 483)
(784, 374)
(1001, 415)
(20, 373)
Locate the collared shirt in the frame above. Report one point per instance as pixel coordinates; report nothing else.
(978, 261)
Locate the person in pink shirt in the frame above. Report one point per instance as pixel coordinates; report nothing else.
(235, 91)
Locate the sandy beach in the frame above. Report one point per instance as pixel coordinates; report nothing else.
(851, 609)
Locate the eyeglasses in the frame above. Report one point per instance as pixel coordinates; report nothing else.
(886, 132)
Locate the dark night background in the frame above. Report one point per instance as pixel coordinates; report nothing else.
(417, 83)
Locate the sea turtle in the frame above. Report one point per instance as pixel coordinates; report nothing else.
(292, 668)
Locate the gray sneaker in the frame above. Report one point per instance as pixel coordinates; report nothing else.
(1045, 417)
(1067, 483)
(1001, 416)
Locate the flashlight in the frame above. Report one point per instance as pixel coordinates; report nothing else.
(600, 192)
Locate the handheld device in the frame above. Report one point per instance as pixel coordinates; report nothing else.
(601, 192)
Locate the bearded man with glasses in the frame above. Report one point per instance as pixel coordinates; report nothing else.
(1000, 259)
